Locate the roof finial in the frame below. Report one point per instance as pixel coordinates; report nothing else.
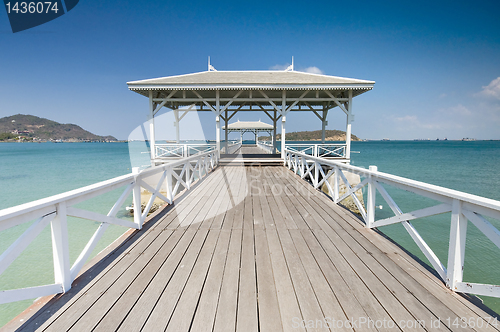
(210, 67)
(290, 68)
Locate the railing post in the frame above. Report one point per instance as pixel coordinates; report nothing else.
(186, 151)
(456, 250)
(316, 174)
(169, 184)
(188, 175)
(336, 185)
(60, 248)
(370, 200)
(315, 151)
(136, 198)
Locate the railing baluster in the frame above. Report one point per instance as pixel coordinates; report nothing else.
(456, 253)
(316, 174)
(60, 248)
(370, 200)
(188, 175)
(136, 198)
(336, 184)
(168, 179)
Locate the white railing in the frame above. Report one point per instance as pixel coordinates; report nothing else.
(56, 209)
(233, 146)
(462, 206)
(168, 151)
(325, 150)
(266, 146)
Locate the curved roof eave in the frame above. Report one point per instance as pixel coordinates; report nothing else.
(209, 80)
(355, 86)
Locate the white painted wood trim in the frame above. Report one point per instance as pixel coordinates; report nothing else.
(16, 248)
(484, 226)
(89, 247)
(60, 248)
(456, 249)
(13, 295)
(424, 247)
(352, 190)
(422, 213)
(426, 250)
(478, 289)
(442, 194)
(94, 216)
(153, 191)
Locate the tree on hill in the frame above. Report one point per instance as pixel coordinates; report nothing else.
(330, 135)
(45, 129)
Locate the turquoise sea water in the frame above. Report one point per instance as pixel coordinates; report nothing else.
(31, 171)
(471, 167)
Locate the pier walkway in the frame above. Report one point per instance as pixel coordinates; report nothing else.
(257, 249)
(251, 155)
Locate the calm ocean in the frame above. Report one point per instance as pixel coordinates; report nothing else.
(31, 171)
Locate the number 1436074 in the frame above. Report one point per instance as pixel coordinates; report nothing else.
(31, 7)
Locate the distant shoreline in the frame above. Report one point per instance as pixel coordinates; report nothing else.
(37, 142)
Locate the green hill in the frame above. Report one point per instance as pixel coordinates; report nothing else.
(31, 126)
(330, 135)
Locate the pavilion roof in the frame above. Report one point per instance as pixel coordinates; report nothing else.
(254, 88)
(259, 125)
(224, 80)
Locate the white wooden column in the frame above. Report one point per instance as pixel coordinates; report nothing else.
(217, 120)
(283, 124)
(176, 124)
(370, 200)
(274, 132)
(324, 123)
(60, 248)
(152, 143)
(226, 131)
(456, 250)
(348, 127)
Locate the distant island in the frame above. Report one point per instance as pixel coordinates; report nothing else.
(330, 135)
(30, 128)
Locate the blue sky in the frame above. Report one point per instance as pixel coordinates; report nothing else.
(436, 63)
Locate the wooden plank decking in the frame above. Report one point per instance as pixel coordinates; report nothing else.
(257, 249)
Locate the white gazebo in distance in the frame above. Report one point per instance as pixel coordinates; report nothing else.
(275, 93)
(254, 127)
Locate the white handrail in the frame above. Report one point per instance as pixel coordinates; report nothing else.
(233, 146)
(180, 150)
(462, 206)
(326, 150)
(57, 208)
(266, 146)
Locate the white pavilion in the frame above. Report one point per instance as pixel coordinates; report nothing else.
(275, 93)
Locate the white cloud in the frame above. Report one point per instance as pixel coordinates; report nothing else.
(279, 67)
(456, 110)
(313, 70)
(492, 90)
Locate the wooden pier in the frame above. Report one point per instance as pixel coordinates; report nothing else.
(257, 249)
(250, 156)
